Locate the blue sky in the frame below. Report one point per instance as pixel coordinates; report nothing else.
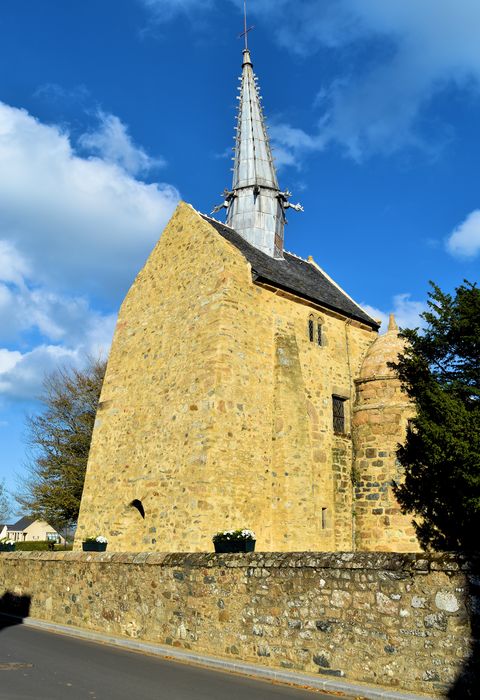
(111, 110)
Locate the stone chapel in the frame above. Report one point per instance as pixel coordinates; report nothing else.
(245, 388)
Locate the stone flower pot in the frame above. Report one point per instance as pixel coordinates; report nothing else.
(234, 546)
(94, 546)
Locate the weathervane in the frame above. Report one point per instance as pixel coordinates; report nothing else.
(246, 31)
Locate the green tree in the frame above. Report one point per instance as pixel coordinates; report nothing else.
(59, 439)
(440, 371)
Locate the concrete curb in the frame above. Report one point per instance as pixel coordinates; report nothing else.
(352, 690)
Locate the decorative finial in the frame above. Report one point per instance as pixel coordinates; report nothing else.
(392, 324)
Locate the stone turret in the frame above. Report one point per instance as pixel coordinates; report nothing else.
(380, 417)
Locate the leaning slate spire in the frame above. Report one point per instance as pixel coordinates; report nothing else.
(255, 204)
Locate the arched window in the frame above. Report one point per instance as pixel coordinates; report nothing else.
(136, 503)
(311, 329)
(315, 330)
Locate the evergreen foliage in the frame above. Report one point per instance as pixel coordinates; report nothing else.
(440, 371)
(59, 442)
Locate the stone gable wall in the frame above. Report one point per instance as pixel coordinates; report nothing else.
(395, 620)
(216, 410)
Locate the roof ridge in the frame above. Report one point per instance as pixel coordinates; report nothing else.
(212, 218)
(294, 255)
(330, 279)
(25, 518)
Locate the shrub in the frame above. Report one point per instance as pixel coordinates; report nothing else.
(41, 546)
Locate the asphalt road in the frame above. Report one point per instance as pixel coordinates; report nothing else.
(37, 665)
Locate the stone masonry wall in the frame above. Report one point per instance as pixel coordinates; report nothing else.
(389, 619)
(216, 410)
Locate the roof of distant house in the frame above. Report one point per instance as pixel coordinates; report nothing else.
(22, 524)
(295, 275)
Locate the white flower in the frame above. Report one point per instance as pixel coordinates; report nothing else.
(249, 533)
(101, 539)
(235, 535)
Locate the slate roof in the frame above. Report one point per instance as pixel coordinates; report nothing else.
(295, 275)
(21, 524)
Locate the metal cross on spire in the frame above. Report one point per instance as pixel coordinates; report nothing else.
(246, 31)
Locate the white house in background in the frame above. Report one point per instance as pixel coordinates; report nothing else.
(32, 530)
(3, 531)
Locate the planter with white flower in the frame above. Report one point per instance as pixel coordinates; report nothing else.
(231, 541)
(95, 544)
(7, 546)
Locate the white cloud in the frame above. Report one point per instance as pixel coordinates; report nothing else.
(406, 310)
(24, 379)
(13, 267)
(68, 329)
(22, 374)
(82, 223)
(67, 223)
(419, 48)
(291, 145)
(425, 46)
(112, 142)
(464, 241)
(8, 359)
(58, 318)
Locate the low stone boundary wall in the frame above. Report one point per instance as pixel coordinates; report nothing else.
(398, 620)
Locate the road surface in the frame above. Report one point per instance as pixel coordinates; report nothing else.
(38, 665)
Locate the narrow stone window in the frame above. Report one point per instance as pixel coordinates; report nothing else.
(315, 330)
(139, 506)
(311, 330)
(324, 518)
(338, 406)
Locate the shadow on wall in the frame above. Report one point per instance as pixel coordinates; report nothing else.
(467, 685)
(13, 609)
